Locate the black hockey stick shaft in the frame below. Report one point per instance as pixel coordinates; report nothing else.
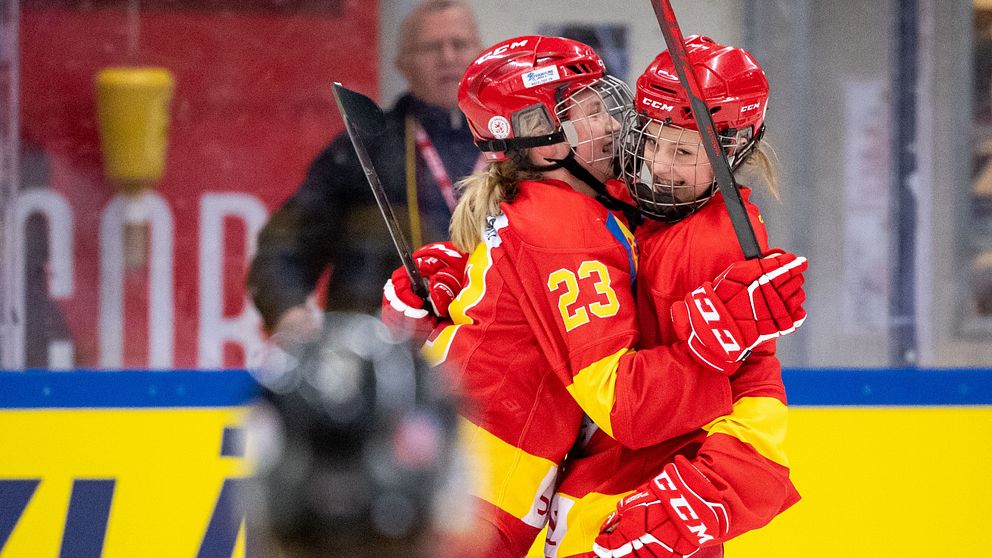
(707, 130)
(361, 114)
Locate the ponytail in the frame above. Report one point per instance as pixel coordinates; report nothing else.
(481, 195)
(484, 191)
(759, 162)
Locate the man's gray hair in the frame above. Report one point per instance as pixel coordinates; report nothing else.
(411, 22)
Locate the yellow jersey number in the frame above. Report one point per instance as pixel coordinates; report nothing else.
(573, 314)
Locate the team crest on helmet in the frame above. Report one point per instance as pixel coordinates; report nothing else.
(499, 127)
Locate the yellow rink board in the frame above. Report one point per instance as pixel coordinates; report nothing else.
(878, 479)
(166, 465)
(883, 482)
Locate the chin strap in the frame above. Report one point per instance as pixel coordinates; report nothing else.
(569, 163)
(503, 145)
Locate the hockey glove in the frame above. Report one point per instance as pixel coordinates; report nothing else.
(403, 311)
(443, 266)
(750, 303)
(673, 514)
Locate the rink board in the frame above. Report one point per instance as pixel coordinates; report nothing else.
(892, 463)
(120, 464)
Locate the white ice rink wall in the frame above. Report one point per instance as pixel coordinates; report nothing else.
(831, 121)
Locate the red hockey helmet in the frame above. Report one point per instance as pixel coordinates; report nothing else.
(518, 93)
(734, 87)
(664, 164)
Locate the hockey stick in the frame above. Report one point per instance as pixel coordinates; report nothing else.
(362, 115)
(707, 130)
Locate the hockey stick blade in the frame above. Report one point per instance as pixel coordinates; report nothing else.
(362, 114)
(707, 130)
(362, 111)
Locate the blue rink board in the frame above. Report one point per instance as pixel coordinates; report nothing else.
(126, 388)
(227, 388)
(888, 386)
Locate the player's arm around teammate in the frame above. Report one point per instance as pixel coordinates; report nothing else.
(544, 328)
(737, 478)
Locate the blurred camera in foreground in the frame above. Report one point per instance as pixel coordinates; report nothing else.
(353, 445)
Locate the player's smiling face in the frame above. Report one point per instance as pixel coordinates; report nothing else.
(676, 161)
(595, 131)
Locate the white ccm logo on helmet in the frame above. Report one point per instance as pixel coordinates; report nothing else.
(657, 104)
(500, 50)
(753, 106)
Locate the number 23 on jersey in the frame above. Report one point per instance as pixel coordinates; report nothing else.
(575, 301)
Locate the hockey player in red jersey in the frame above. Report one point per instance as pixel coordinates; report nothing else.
(688, 495)
(544, 328)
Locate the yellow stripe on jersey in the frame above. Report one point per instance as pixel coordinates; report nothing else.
(436, 351)
(594, 388)
(760, 422)
(626, 239)
(508, 477)
(578, 522)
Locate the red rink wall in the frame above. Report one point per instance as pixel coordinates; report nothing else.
(252, 106)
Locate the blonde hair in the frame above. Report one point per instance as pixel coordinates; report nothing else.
(760, 165)
(482, 193)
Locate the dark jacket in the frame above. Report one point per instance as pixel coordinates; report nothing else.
(332, 219)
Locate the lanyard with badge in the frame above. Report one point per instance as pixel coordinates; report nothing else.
(417, 141)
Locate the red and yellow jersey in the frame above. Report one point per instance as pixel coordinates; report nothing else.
(543, 334)
(741, 453)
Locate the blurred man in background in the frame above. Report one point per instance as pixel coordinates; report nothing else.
(332, 219)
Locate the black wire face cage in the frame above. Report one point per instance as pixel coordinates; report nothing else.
(666, 168)
(591, 119)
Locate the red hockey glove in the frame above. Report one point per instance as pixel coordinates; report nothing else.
(443, 266)
(403, 311)
(750, 303)
(674, 514)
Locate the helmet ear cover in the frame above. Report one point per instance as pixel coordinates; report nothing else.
(532, 120)
(741, 153)
(525, 123)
